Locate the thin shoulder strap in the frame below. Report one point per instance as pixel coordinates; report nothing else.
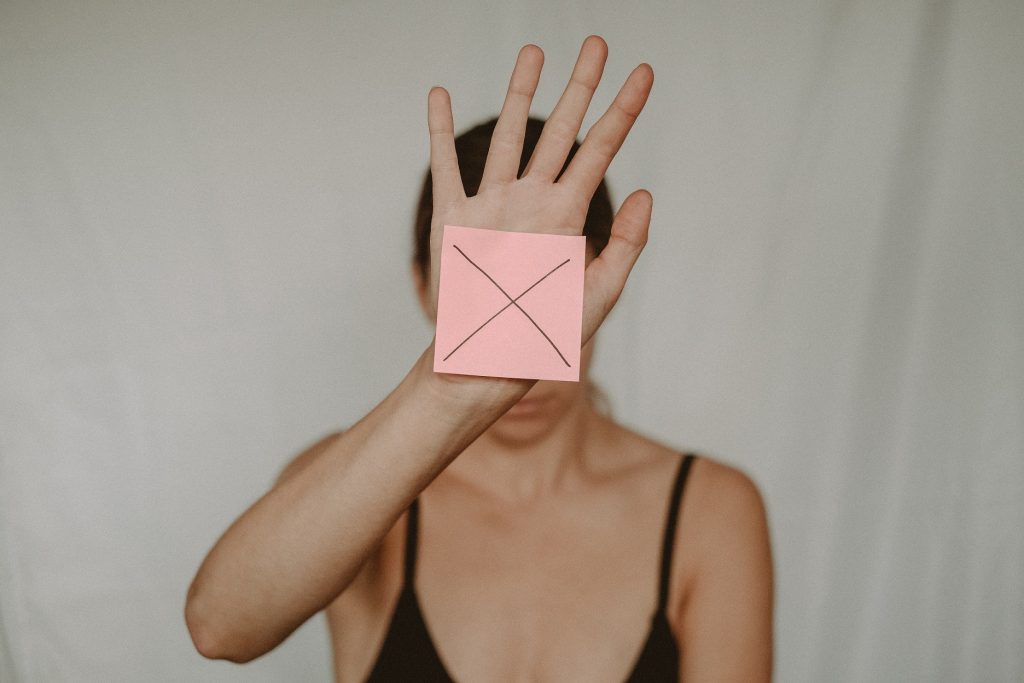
(411, 534)
(670, 528)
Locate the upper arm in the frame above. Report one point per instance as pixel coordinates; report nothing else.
(727, 618)
(303, 459)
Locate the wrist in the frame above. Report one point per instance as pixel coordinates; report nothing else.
(466, 394)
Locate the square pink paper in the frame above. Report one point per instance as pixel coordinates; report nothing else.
(480, 331)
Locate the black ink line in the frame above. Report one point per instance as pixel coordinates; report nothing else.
(482, 271)
(511, 302)
(504, 308)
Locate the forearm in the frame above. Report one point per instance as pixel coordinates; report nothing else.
(297, 547)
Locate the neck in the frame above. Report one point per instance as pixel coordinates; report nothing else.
(525, 470)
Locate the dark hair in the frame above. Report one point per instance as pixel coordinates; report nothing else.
(471, 150)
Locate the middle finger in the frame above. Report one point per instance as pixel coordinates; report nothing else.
(506, 148)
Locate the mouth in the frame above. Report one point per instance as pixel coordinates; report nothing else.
(528, 407)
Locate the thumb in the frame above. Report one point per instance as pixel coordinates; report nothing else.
(606, 275)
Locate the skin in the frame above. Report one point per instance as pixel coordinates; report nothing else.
(541, 520)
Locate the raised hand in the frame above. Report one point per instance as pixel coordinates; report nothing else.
(535, 202)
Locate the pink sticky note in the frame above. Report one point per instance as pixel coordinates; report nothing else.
(510, 304)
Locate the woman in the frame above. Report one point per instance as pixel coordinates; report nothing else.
(488, 529)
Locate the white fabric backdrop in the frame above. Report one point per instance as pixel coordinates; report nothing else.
(206, 210)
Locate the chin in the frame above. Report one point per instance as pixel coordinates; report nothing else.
(518, 431)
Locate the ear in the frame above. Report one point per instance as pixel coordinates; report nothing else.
(421, 292)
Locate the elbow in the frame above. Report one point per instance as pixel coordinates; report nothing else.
(204, 636)
(206, 644)
(208, 639)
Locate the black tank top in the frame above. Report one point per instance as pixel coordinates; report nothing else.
(408, 653)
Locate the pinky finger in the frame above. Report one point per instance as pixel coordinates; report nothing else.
(606, 275)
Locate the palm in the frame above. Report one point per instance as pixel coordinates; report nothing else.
(523, 205)
(520, 206)
(535, 202)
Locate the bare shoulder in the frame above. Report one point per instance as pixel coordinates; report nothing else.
(728, 496)
(721, 585)
(726, 613)
(720, 498)
(728, 518)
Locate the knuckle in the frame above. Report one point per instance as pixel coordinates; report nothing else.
(562, 128)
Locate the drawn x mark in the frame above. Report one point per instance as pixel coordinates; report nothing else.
(511, 302)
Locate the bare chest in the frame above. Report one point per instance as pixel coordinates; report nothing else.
(547, 597)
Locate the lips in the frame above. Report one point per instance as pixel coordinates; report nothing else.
(528, 406)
